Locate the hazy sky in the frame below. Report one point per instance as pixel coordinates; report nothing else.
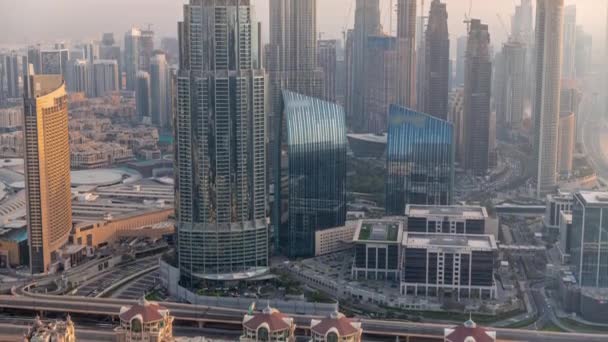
(31, 21)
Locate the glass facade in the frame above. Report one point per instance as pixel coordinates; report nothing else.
(589, 245)
(220, 137)
(420, 160)
(312, 174)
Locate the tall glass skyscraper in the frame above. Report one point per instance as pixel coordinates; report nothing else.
(420, 160)
(220, 156)
(311, 195)
(589, 245)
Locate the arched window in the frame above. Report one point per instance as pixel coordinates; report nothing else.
(136, 326)
(332, 337)
(263, 334)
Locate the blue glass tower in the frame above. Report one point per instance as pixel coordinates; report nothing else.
(310, 190)
(419, 161)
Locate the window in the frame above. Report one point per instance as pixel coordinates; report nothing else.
(263, 334)
(332, 337)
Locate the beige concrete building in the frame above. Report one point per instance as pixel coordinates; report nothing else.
(336, 239)
(47, 169)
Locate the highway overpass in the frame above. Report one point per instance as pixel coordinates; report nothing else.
(205, 314)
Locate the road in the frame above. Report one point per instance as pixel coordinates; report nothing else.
(196, 313)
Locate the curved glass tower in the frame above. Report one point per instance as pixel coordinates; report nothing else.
(419, 161)
(222, 233)
(312, 176)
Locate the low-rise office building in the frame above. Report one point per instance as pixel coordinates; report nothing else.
(377, 249)
(555, 205)
(450, 219)
(565, 235)
(447, 265)
(333, 240)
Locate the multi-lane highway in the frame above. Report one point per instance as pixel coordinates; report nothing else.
(205, 314)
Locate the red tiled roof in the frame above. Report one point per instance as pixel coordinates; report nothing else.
(149, 312)
(274, 320)
(460, 334)
(342, 324)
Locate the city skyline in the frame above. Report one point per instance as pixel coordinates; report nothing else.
(163, 15)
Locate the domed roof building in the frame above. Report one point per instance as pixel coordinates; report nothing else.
(145, 321)
(269, 325)
(335, 328)
(468, 332)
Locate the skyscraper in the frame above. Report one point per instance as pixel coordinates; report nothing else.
(569, 43)
(584, 52)
(437, 66)
(292, 53)
(549, 18)
(521, 23)
(509, 94)
(11, 64)
(406, 53)
(108, 50)
(143, 101)
(589, 246)
(327, 61)
(314, 194)
(79, 76)
(47, 169)
(419, 160)
(367, 23)
(160, 84)
(131, 57)
(35, 58)
(565, 143)
(461, 56)
(220, 145)
(381, 81)
(477, 92)
(146, 49)
(54, 62)
(105, 77)
(456, 117)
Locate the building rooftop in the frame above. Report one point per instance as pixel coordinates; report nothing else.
(472, 242)
(467, 212)
(369, 137)
(272, 318)
(379, 230)
(146, 311)
(598, 198)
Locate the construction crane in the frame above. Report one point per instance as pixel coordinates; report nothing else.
(502, 23)
(345, 27)
(467, 16)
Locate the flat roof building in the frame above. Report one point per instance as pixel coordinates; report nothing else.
(457, 266)
(450, 219)
(377, 246)
(589, 250)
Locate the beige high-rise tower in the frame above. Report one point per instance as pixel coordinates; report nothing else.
(47, 169)
(549, 25)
